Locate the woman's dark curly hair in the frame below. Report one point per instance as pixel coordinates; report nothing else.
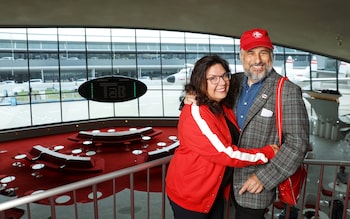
(198, 83)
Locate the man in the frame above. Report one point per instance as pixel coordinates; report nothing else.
(254, 187)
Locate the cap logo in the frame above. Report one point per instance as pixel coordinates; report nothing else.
(257, 34)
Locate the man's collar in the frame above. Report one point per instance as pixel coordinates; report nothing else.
(245, 82)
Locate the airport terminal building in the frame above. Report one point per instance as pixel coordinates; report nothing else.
(47, 65)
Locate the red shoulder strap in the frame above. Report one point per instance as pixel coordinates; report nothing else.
(279, 107)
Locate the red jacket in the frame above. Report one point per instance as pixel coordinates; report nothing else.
(198, 165)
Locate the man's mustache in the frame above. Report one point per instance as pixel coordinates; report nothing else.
(259, 64)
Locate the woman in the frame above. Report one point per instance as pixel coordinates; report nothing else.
(200, 172)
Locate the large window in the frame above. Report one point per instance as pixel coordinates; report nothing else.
(42, 68)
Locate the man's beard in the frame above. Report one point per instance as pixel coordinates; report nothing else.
(257, 77)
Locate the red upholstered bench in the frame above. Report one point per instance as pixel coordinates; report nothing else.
(117, 137)
(14, 213)
(56, 160)
(310, 201)
(165, 151)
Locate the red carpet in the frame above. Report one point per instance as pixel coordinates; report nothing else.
(115, 157)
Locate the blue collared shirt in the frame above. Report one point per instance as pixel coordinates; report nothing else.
(246, 99)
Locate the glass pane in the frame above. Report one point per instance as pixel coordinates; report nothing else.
(128, 108)
(123, 40)
(41, 82)
(101, 110)
(151, 103)
(75, 111)
(17, 115)
(172, 41)
(99, 48)
(172, 100)
(51, 114)
(125, 64)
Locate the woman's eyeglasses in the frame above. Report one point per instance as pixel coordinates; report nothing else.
(215, 79)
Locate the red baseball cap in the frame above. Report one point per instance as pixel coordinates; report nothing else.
(255, 38)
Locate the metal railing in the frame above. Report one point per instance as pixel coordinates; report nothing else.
(314, 193)
(314, 201)
(321, 173)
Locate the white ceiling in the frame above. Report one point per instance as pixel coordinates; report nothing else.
(320, 26)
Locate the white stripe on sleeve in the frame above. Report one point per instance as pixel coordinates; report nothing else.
(213, 138)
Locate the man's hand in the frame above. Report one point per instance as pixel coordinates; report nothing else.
(252, 185)
(275, 148)
(190, 98)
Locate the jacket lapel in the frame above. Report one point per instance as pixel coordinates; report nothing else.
(266, 92)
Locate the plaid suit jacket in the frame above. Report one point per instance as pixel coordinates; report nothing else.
(259, 129)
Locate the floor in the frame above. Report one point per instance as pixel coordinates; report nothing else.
(321, 148)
